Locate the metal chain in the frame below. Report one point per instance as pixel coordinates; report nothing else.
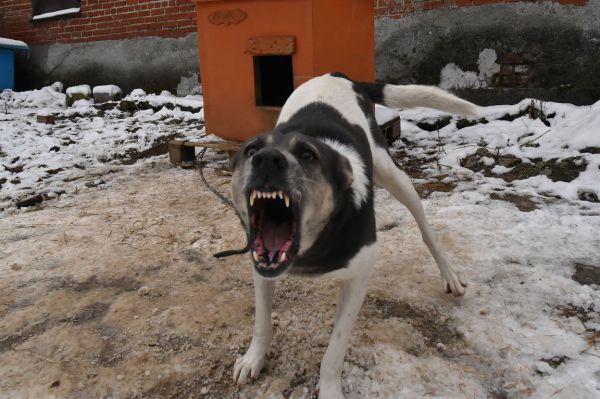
(226, 201)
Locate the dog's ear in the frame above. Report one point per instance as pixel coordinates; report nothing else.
(344, 171)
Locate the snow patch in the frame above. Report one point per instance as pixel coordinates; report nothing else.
(189, 85)
(48, 15)
(10, 43)
(385, 114)
(81, 89)
(453, 77)
(138, 93)
(110, 90)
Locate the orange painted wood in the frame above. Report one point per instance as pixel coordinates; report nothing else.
(331, 35)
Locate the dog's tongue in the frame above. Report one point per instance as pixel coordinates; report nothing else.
(275, 235)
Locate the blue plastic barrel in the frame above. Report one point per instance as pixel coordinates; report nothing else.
(8, 48)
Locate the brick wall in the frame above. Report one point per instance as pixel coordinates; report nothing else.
(400, 8)
(119, 19)
(100, 20)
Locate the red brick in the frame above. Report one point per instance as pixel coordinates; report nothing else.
(574, 2)
(463, 3)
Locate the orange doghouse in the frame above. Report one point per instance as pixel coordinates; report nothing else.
(253, 53)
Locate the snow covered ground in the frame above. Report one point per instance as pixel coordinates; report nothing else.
(85, 142)
(513, 196)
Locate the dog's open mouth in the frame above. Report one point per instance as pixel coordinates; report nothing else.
(273, 230)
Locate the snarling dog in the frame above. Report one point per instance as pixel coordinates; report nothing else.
(304, 194)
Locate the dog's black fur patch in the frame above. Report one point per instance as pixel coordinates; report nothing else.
(349, 229)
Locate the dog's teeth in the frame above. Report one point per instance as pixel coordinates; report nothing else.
(252, 196)
(280, 194)
(255, 256)
(286, 198)
(282, 257)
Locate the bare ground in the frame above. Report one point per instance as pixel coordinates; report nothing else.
(75, 324)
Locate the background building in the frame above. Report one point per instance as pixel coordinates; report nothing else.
(490, 51)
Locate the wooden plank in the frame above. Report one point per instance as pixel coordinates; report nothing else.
(218, 145)
(272, 45)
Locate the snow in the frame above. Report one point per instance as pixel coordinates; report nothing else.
(572, 131)
(453, 77)
(11, 43)
(82, 140)
(384, 114)
(518, 264)
(111, 90)
(189, 85)
(48, 15)
(138, 93)
(81, 89)
(191, 101)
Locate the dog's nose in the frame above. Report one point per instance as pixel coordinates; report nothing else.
(269, 160)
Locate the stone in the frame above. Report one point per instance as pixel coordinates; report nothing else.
(575, 325)
(48, 119)
(143, 290)
(588, 195)
(586, 274)
(508, 161)
(30, 201)
(543, 367)
(106, 93)
(76, 93)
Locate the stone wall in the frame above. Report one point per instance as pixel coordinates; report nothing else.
(499, 53)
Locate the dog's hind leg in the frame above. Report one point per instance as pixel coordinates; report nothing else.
(253, 361)
(350, 299)
(399, 185)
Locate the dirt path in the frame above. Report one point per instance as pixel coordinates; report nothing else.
(75, 321)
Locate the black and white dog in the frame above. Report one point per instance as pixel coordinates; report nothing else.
(304, 194)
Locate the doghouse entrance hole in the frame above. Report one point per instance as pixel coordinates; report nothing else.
(273, 79)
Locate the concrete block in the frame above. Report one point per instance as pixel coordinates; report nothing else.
(48, 119)
(75, 93)
(106, 93)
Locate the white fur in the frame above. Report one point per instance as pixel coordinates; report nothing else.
(350, 299)
(360, 181)
(250, 365)
(334, 91)
(410, 96)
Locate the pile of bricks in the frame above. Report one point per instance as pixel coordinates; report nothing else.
(515, 70)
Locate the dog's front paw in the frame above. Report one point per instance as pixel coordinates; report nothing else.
(454, 284)
(247, 366)
(330, 390)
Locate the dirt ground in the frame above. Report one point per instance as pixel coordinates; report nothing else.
(114, 293)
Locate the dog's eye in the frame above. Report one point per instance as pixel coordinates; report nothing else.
(250, 151)
(307, 156)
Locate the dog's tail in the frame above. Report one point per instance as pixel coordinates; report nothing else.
(410, 96)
